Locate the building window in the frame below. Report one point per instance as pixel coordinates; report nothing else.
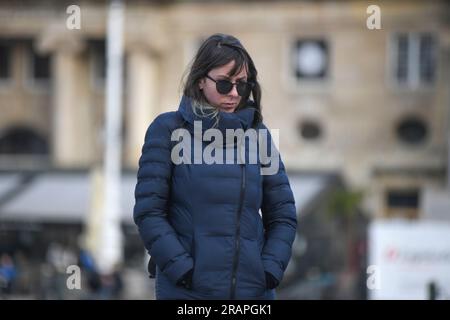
(5, 60)
(403, 198)
(412, 130)
(403, 202)
(98, 61)
(310, 59)
(18, 141)
(41, 67)
(414, 59)
(310, 130)
(427, 56)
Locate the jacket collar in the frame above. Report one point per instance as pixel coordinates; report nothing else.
(241, 119)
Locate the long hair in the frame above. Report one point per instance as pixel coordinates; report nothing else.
(216, 51)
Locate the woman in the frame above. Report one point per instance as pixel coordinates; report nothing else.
(200, 221)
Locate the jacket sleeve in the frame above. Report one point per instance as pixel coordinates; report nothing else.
(279, 218)
(150, 209)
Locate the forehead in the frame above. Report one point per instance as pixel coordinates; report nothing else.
(226, 69)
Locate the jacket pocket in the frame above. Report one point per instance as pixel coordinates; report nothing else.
(212, 264)
(253, 279)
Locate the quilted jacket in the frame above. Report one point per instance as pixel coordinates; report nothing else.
(227, 223)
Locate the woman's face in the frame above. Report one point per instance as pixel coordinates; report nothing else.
(225, 102)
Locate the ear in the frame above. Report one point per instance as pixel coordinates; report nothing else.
(201, 83)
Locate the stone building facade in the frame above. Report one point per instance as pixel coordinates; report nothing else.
(372, 105)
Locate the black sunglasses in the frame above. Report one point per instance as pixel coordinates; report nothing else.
(224, 86)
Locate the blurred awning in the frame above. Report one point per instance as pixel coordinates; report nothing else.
(305, 188)
(8, 182)
(308, 187)
(55, 197)
(65, 197)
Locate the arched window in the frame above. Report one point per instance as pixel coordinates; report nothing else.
(412, 130)
(310, 130)
(22, 140)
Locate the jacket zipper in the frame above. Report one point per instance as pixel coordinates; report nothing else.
(237, 236)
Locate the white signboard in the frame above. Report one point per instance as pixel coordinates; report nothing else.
(405, 257)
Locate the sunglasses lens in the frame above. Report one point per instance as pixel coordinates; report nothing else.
(243, 88)
(224, 86)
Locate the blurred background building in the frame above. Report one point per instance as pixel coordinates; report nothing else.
(363, 117)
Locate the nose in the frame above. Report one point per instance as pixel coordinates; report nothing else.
(233, 91)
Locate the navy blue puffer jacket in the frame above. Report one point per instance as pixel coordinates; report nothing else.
(206, 217)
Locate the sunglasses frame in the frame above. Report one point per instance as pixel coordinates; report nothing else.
(249, 86)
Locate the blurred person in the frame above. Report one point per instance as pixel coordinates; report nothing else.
(111, 285)
(58, 258)
(89, 268)
(200, 222)
(8, 274)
